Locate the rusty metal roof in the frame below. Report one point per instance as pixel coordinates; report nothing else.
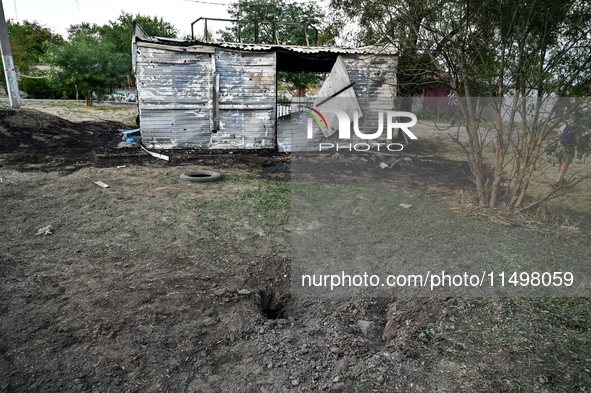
(375, 50)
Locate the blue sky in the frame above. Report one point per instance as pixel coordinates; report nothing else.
(59, 14)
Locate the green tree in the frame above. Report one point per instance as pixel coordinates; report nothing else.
(298, 81)
(521, 54)
(87, 65)
(84, 31)
(278, 11)
(29, 41)
(273, 11)
(118, 33)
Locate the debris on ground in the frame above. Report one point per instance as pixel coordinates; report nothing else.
(127, 145)
(128, 134)
(161, 156)
(101, 184)
(394, 161)
(44, 231)
(390, 162)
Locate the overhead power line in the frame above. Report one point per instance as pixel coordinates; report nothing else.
(206, 2)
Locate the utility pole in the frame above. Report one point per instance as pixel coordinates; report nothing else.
(9, 71)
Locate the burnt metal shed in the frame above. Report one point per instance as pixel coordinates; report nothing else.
(194, 94)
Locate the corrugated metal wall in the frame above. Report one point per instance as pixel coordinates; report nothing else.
(175, 96)
(375, 87)
(247, 103)
(175, 92)
(291, 133)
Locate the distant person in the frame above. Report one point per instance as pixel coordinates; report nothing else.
(565, 151)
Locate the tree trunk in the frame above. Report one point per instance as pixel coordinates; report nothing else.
(499, 158)
(478, 167)
(536, 148)
(89, 99)
(502, 143)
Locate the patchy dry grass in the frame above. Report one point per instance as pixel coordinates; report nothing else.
(127, 280)
(508, 345)
(124, 113)
(574, 201)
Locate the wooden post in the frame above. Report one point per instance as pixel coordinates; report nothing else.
(9, 71)
(256, 28)
(275, 38)
(216, 102)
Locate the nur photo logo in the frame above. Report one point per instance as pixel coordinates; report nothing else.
(343, 125)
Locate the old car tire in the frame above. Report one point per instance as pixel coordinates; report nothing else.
(201, 176)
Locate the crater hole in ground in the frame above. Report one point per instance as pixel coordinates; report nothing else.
(274, 305)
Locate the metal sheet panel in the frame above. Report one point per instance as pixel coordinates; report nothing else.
(284, 136)
(346, 100)
(175, 97)
(175, 128)
(292, 133)
(375, 86)
(247, 100)
(386, 49)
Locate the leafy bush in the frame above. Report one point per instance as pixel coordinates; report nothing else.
(86, 64)
(38, 88)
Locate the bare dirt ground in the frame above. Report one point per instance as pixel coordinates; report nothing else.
(156, 285)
